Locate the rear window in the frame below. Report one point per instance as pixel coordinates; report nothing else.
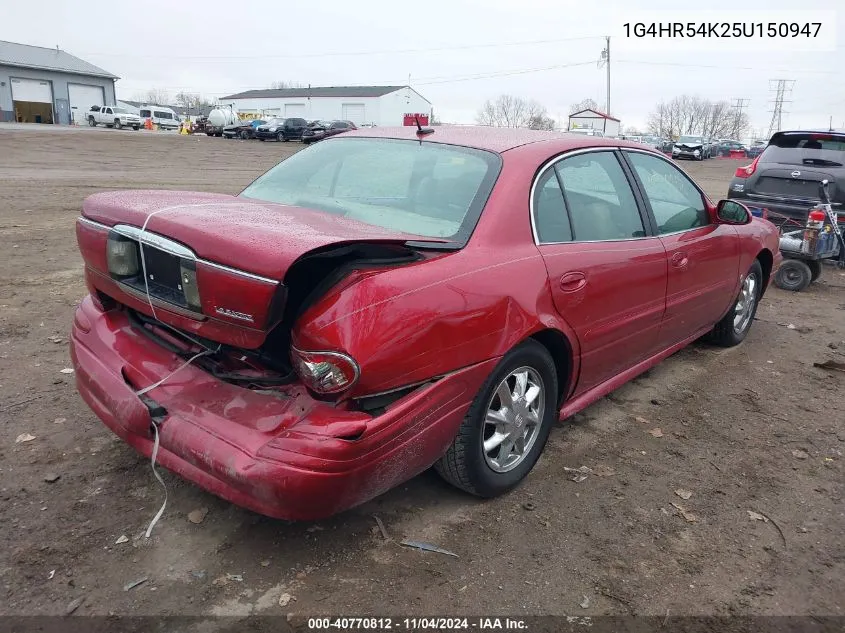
(424, 189)
(806, 149)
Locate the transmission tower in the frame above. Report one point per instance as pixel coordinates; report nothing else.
(782, 88)
(738, 107)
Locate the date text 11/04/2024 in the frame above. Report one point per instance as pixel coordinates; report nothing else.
(416, 624)
(722, 30)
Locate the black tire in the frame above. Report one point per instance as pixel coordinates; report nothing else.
(117, 124)
(262, 139)
(280, 137)
(219, 134)
(136, 127)
(794, 275)
(92, 121)
(464, 464)
(244, 135)
(815, 270)
(726, 333)
(209, 133)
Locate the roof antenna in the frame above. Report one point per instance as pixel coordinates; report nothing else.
(422, 131)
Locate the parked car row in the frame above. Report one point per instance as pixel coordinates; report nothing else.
(287, 129)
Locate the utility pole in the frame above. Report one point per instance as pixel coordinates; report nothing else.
(738, 108)
(783, 87)
(605, 61)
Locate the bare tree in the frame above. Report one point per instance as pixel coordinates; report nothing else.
(281, 85)
(156, 96)
(511, 111)
(584, 104)
(687, 114)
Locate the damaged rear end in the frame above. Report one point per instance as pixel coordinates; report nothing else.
(206, 318)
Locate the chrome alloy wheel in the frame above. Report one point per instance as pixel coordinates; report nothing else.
(744, 309)
(513, 420)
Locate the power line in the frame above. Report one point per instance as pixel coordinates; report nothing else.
(738, 107)
(754, 68)
(351, 53)
(424, 81)
(783, 87)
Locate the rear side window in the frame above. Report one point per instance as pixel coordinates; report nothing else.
(163, 115)
(145, 114)
(550, 217)
(599, 198)
(826, 150)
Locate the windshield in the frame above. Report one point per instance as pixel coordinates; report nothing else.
(690, 139)
(806, 148)
(119, 110)
(426, 189)
(275, 122)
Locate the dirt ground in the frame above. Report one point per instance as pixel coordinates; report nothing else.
(755, 435)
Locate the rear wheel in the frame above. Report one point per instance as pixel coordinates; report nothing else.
(734, 326)
(794, 275)
(92, 122)
(506, 428)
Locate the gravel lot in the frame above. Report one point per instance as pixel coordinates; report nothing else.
(755, 429)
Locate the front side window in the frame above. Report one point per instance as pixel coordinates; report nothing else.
(599, 198)
(424, 189)
(145, 114)
(676, 203)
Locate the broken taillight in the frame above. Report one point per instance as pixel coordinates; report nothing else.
(325, 372)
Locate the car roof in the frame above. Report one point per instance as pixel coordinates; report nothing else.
(488, 138)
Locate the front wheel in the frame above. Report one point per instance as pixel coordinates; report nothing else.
(244, 135)
(117, 124)
(815, 267)
(506, 428)
(734, 326)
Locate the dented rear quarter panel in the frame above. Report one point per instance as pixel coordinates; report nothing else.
(410, 323)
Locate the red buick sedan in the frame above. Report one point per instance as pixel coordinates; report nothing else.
(392, 299)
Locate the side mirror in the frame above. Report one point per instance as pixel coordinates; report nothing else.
(733, 212)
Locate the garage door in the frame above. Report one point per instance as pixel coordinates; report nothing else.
(294, 110)
(31, 90)
(82, 97)
(354, 112)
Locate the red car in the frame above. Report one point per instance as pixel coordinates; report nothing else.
(392, 299)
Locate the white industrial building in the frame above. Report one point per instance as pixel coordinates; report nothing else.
(48, 85)
(379, 105)
(593, 119)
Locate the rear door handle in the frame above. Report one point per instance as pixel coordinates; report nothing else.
(679, 260)
(572, 282)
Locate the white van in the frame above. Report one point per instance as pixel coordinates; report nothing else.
(162, 116)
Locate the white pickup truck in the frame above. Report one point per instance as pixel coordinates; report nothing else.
(113, 116)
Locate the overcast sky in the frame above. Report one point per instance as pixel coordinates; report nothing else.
(458, 53)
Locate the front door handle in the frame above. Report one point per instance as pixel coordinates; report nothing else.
(572, 282)
(679, 260)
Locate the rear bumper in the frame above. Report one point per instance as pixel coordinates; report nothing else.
(284, 455)
(792, 211)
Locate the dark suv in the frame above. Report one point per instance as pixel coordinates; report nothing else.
(785, 178)
(282, 129)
